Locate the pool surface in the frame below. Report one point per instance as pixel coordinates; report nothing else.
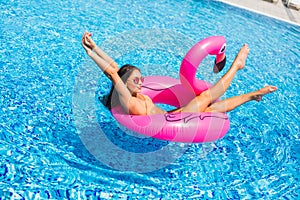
(57, 141)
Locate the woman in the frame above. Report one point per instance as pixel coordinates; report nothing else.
(127, 82)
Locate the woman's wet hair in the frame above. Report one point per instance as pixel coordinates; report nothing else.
(112, 99)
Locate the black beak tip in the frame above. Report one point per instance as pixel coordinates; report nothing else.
(219, 66)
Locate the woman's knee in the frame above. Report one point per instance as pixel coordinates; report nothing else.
(205, 96)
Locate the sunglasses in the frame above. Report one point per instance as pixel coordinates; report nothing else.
(136, 80)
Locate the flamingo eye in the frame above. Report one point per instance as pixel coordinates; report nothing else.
(223, 48)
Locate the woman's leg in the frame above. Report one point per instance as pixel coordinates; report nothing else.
(222, 85)
(201, 102)
(231, 103)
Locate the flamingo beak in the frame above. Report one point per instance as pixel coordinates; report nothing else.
(219, 63)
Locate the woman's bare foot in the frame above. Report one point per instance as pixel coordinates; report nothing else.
(261, 92)
(241, 57)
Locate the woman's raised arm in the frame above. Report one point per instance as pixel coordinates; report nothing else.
(109, 67)
(105, 62)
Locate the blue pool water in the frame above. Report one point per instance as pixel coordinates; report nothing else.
(57, 141)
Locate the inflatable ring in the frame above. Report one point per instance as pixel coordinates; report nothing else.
(181, 126)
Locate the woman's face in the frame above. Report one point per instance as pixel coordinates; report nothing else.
(134, 82)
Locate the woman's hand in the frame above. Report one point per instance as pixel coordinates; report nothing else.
(87, 43)
(105, 62)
